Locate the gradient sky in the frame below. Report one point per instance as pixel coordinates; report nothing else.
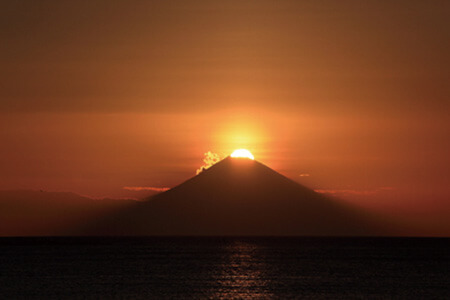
(347, 97)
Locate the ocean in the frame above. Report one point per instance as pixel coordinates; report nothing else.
(224, 268)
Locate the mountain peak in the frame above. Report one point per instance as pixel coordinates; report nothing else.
(246, 174)
(239, 196)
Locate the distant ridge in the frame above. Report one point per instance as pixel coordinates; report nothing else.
(239, 197)
(41, 213)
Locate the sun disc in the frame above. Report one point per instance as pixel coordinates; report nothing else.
(242, 153)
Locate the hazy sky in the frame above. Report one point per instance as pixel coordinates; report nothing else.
(349, 97)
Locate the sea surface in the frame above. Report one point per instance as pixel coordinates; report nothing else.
(224, 268)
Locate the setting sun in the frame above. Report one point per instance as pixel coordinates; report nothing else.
(242, 153)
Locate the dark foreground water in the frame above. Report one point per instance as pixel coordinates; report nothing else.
(224, 268)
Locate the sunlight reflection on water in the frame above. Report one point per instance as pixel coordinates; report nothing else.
(224, 268)
(242, 273)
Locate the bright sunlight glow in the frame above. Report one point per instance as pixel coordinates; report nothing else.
(242, 153)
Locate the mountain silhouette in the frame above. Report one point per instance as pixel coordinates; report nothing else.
(41, 213)
(238, 196)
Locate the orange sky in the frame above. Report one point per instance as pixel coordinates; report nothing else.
(100, 95)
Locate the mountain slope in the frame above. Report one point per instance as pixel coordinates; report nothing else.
(238, 197)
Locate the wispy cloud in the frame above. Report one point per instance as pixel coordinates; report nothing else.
(209, 160)
(347, 192)
(146, 188)
(355, 191)
(304, 175)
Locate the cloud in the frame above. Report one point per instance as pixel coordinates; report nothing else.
(355, 192)
(209, 160)
(347, 192)
(304, 175)
(146, 188)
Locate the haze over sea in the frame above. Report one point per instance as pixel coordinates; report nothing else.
(224, 268)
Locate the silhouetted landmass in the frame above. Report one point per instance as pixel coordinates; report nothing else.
(39, 213)
(239, 197)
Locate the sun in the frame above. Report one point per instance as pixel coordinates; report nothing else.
(242, 153)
